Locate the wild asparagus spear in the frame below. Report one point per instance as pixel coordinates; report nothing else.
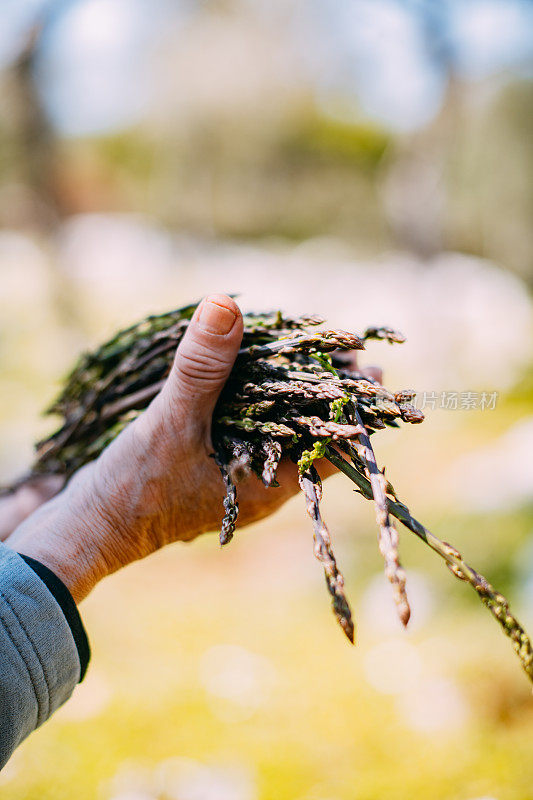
(312, 489)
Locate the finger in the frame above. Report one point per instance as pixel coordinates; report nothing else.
(204, 359)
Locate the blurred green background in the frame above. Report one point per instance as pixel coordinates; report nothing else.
(367, 160)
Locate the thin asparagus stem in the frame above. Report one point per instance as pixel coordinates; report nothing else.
(495, 602)
(231, 506)
(273, 451)
(387, 533)
(322, 341)
(334, 579)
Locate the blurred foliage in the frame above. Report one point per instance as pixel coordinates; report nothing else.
(322, 139)
(287, 169)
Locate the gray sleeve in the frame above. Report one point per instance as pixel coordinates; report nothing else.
(39, 662)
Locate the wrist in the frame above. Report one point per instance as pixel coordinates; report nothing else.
(69, 536)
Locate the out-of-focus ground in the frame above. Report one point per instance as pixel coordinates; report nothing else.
(370, 163)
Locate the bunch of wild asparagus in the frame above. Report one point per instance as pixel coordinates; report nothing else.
(293, 393)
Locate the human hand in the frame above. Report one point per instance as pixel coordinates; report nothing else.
(156, 483)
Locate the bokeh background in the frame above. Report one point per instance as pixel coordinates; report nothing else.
(369, 160)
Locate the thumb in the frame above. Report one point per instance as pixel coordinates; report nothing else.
(204, 359)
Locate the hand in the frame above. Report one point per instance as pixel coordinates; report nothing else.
(156, 483)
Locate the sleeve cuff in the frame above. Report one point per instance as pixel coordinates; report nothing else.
(64, 599)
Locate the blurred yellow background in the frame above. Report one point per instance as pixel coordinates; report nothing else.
(370, 161)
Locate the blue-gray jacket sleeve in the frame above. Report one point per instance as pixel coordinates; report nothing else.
(39, 662)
